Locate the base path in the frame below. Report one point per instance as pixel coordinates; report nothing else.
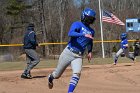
(122, 78)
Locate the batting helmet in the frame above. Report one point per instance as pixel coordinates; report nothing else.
(123, 36)
(88, 16)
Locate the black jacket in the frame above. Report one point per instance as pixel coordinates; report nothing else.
(137, 45)
(30, 39)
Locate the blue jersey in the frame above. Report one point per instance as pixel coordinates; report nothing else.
(123, 43)
(78, 41)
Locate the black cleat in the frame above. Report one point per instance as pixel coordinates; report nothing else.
(26, 76)
(134, 60)
(50, 81)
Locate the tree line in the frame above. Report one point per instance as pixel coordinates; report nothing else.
(52, 19)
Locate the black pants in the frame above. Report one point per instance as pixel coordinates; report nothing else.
(136, 52)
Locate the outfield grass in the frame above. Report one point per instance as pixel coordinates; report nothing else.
(8, 66)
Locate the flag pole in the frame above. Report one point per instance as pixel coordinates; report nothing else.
(101, 28)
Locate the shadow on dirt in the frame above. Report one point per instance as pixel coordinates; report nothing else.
(39, 76)
(127, 65)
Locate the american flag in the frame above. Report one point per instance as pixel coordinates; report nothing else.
(109, 17)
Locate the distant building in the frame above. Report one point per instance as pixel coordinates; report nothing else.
(133, 25)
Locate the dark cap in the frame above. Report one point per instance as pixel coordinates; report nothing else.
(31, 25)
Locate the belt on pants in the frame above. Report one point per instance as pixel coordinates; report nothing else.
(74, 51)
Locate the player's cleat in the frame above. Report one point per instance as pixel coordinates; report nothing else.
(26, 76)
(115, 61)
(134, 60)
(114, 64)
(50, 81)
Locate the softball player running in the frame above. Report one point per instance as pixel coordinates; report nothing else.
(124, 48)
(81, 38)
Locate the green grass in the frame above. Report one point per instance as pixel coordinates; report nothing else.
(8, 66)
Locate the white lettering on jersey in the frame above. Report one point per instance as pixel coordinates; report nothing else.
(85, 31)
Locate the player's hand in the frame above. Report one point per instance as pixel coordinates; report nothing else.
(126, 45)
(89, 56)
(39, 45)
(88, 36)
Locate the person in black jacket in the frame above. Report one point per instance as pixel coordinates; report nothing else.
(29, 46)
(136, 48)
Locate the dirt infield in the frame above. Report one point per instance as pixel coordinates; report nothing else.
(122, 78)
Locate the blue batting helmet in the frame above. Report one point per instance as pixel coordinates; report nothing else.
(88, 16)
(123, 35)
